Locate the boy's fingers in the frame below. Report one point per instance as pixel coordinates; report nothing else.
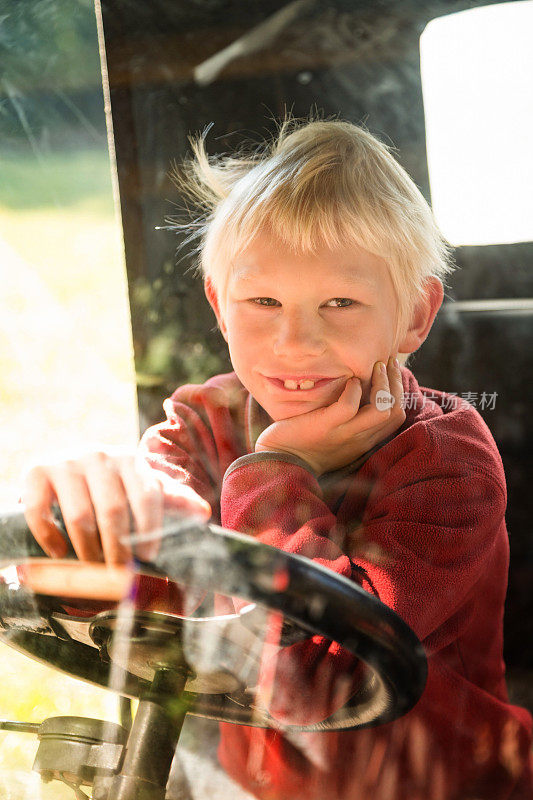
(180, 497)
(381, 397)
(188, 501)
(348, 403)
(38, 494)
(111, 506)
(384, 408)
(100, 496)
(392, 397)
(396, 388)
(77, 509)
(145, 497)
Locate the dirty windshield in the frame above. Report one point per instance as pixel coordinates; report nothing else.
(266, 306)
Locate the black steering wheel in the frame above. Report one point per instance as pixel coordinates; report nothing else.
(81, 639)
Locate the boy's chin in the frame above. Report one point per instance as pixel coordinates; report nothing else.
(290, 408)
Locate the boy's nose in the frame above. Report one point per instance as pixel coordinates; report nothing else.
(298, 337)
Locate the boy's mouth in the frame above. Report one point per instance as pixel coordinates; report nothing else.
(299, 383)
(307, 383)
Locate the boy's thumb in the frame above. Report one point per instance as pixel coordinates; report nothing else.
(178, 496)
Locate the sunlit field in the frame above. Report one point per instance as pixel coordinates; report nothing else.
(66, 374)
(66, 381)
(33, 692)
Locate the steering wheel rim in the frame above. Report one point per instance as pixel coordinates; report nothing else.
(348, 614)
(315, 599)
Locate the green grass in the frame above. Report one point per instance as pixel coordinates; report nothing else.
(66, 380)
(74, 180)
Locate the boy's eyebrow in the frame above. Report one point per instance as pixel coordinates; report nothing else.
(244, 274)
(349, 276)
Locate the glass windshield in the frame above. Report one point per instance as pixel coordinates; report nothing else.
(216, 236)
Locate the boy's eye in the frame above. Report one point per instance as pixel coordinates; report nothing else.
(264, 301)
(340, 302)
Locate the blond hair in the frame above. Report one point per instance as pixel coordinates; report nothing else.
(318, 182)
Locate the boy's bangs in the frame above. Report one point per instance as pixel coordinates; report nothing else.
(303, 220)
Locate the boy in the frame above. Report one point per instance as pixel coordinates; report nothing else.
(322, 264)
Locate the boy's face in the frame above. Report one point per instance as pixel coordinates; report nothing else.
(299, 326)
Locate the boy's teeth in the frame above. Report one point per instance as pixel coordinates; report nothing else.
(306, 384)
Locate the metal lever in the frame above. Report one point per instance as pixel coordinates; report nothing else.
(19, 727)
(152, 740)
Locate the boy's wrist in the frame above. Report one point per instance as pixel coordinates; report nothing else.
(260, 457)
(307, 462)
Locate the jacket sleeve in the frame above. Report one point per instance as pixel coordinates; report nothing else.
(276, 499)
(184, 447)
(432, 519)
(433, 531)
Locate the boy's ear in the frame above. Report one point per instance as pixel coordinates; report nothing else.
(423, 316)
(211, 294)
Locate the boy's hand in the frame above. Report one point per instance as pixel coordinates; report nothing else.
(103, 497)
(333, 436)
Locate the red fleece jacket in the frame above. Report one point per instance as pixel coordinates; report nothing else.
(419, 521)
